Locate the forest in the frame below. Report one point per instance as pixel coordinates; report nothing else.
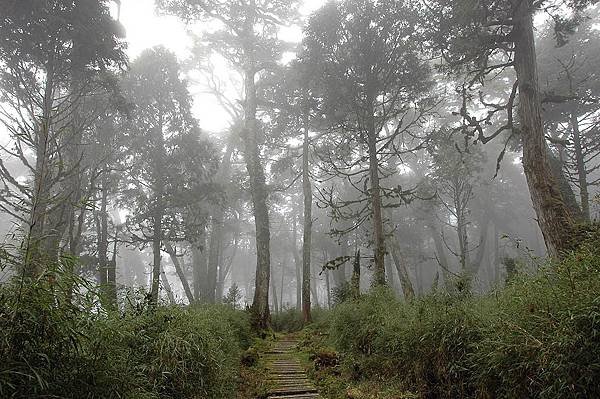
(343, 199)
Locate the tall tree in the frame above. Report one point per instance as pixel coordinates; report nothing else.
(169, 165)
(483, 39)
(366, 56)
(53, 56)
(248, 39)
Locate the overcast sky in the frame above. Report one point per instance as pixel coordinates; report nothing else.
(145, 29)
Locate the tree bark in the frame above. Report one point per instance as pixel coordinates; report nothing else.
(167, 286)
(307, 227)
(584, 194)
(378, 236)
(159, 188)
(553, 217)
(258, 189)
(402, 269)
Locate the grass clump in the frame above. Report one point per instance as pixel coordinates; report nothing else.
(55, 344)
(538, 337)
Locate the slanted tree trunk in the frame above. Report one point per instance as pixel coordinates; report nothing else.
(167, 285)
(258, 190)
(179, 270)
(553, 217)
(307, 227)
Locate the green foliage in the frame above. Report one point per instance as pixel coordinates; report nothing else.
(51, 347)
(539, 337)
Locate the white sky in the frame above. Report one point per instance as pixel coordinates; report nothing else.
(146, 29)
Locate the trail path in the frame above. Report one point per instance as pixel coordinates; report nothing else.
(286, 374)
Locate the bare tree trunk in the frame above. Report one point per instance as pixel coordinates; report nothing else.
(355, 281)
(199, 268)
(379, 238)
(258, 188)
(274, 291)
(440, 253)
(307, 228)
(298, 266)
(281, 286)
(584, 194)
(483, 236)
(179, 270)
(216, 237)
(553, 217)
(401, 267)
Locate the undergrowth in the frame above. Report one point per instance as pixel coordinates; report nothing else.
(56, 342)
(537, 338)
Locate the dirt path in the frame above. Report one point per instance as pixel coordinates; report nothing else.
(286, 374)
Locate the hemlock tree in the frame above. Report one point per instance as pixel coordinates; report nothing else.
(169, 165)
(247, 37)
(366, 57)
(482, 39)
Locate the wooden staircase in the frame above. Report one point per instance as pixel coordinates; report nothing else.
(286, 375)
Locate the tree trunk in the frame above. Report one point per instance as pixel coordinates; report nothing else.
(199, 265)
(553, 217)
(564, 186)
(402, 269)
(167, 286)
(274, 292)
(440, 252)
(258, 189)
(328, 287)
(179, 270)
(307, 227)
(34, 254)
(355, 281)
(378, 236)
(281, 286)
(214, 252)
(584, 194)
(298, 266)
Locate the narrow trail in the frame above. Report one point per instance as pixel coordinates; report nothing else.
(286, 374)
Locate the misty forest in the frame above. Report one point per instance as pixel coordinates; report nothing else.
(336, 199)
